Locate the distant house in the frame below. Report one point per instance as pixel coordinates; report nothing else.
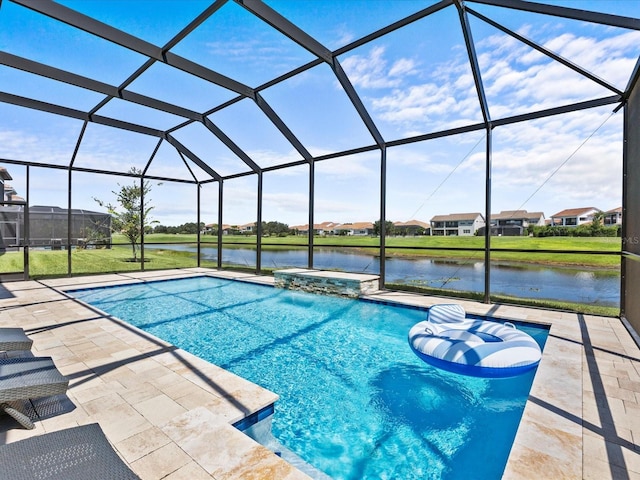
(300, 229)
(10, 194)
(355, 228)
(211, 229)
(412, 227)
(513, 222)
(613, 217)
(4, 176)
(520, 218)
(574, 217)
(246, 228)
(323, 228)
(461, 224)
(231, 229)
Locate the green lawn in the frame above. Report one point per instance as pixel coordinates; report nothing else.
(545, 243)
(47, 263)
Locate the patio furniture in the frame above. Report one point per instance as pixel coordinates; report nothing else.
(23, 379)
(82, 453)
(14, 339)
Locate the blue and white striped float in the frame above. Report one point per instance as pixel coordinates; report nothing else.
(480, 348)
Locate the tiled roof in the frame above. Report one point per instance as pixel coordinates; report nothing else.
(615, 210)
(4, 174)
(354, 226)
(316, 226)
(214, 225)
(506, 214)
(574, 212)
(411, 223)
(453, 217)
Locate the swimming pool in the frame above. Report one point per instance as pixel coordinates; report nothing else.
(355, 402)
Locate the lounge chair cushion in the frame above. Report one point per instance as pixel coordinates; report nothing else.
(23, 379)
(14, 339)
(82, 453)
(31, 377)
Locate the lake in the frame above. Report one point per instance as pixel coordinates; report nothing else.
(571, 284)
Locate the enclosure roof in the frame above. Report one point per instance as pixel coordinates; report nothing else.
(203, 91)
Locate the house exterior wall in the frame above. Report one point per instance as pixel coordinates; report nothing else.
(466, 228)
(574, 221)
(613, 218)
(520, 222)
(463, 228)
(539, 222)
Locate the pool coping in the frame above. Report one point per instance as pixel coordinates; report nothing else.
(580, 421)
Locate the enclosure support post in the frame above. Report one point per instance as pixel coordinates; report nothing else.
(259, 226)
(383, 214)
(142, 222)
(69, 223)
(630, 261)
(487, 230)
(312, 180)
(220, 185)
(199, 187)
(26, 231)
(69, 202)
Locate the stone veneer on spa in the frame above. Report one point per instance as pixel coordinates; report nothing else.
(351, 285)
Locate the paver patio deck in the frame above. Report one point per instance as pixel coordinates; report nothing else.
(169, 413)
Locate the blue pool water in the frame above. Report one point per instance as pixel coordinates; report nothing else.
(355, 402)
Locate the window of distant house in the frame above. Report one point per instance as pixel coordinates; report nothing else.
(571, 221)
(466, 231)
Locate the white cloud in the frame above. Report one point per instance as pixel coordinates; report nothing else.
(337, 210)
(285, 207)
(372, 71)
(347, 169)
(342, 35)
(269, 158)
(516, 78)
(30, 146)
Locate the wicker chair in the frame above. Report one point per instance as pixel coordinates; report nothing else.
(82, 453)
(23, 379)
(14, 339)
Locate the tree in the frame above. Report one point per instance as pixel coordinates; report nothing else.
(596, 226)
(389, 228)
(132, 213)
(189, 227)
(275, 229)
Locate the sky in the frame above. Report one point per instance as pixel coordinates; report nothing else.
(413, 81)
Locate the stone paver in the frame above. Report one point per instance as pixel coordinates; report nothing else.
(169, 413)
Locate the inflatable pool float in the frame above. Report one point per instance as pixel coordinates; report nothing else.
(480, 348)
